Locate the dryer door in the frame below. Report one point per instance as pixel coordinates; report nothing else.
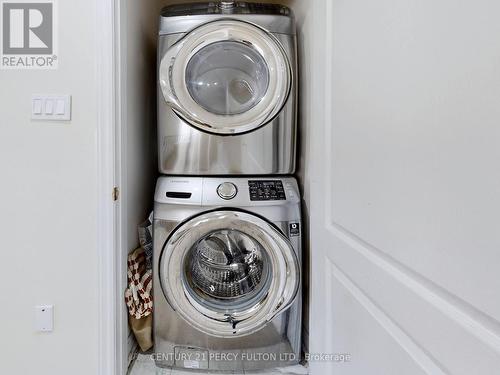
(228, 273)
(226, 77)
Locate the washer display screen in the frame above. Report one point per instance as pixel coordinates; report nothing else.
(266, 190)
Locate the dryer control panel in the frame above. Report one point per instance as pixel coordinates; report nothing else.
(266, 190)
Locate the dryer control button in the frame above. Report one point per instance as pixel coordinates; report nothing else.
(227, 190)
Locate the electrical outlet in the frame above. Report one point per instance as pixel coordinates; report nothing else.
(44, 318)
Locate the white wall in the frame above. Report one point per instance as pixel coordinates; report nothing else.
(405, 215)
(48, 209)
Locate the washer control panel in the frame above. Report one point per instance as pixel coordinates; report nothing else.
(227, 190)
(266, 190)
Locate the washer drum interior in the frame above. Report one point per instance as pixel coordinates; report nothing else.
(228, 273)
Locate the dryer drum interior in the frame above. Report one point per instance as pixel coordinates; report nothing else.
(227, 77)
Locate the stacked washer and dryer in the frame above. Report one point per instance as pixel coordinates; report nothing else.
(227, 220)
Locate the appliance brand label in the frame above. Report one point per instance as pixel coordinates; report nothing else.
(28, 34)
(191, 364)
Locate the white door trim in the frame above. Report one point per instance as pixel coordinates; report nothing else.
(320, 313)
(110, 358)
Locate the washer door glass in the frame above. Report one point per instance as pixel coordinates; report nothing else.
(227, 270)
(228, 273)
(226, 77)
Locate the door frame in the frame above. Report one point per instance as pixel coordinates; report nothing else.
(112, 356)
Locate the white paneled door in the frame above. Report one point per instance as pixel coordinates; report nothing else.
(405, 192)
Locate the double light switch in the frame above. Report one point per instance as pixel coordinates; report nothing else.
(51, 107)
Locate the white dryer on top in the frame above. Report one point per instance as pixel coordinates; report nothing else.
(227, 89)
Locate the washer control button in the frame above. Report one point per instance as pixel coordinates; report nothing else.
(227, 190)
(227, 4)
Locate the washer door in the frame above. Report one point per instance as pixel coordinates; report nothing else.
(226, 77)
(228, 273)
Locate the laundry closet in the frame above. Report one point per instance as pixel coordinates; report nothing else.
(398, 186)
(282, 149)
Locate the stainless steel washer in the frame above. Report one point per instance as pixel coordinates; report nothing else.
(227, 273)
(227, 89)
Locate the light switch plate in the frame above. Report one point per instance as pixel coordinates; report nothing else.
(51, 107)
(44, 318)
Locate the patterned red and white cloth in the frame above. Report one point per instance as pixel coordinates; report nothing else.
(138, 293)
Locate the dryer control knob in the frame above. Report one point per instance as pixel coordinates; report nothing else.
(227, 190)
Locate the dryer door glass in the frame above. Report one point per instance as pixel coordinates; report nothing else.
(226, 77)
(228, 273)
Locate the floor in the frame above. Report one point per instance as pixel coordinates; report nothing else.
(143, 365)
